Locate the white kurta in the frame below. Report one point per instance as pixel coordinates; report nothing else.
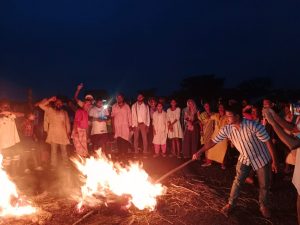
(59, 126)
(122, 121)
(160, 127)
(8, 132)
(177, 129)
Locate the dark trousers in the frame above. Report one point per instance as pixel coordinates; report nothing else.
(122, 145)
(190, 142)
(99, 141)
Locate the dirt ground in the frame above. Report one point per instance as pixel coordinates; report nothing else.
(195, 196)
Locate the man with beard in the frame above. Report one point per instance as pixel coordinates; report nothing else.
(140, 123)
(121, 119)
(57, 126)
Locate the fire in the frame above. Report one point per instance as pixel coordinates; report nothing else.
(104, 178)
(10, 203)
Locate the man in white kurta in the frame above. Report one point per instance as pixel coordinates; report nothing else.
(58, 129)
(121, 118)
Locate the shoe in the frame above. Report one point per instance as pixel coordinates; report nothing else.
(164, 155)
(155, 155)
(206, 164)
(227, 209)
(27, 171)
(265, 212)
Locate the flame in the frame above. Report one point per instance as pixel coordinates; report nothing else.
(8, 194)
(104, 178)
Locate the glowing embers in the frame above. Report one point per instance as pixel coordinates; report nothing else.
(104, 180)
(10, 202)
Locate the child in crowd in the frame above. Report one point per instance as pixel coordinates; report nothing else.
(160, 130)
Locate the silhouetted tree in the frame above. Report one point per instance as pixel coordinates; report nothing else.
(256, 87)
(200, 87)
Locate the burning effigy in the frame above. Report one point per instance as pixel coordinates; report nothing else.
(105, 179)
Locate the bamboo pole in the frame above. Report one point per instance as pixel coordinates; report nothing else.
(173, 171)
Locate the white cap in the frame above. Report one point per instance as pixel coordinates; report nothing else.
(89, 97)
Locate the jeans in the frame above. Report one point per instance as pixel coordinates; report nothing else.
(264, 177)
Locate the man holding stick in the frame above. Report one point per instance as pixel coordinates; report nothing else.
(256, 151)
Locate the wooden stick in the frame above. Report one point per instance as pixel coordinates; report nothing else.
(187, 189)
(173, 171)
(85, 216)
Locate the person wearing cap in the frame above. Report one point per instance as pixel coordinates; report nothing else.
(88, 97)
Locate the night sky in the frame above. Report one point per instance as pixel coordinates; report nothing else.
(52, 46)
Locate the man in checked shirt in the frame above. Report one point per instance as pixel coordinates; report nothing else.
(256, 151)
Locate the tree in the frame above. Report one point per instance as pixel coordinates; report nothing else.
(200, 87)
(255, 87)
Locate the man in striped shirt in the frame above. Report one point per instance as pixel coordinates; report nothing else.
(256, 150)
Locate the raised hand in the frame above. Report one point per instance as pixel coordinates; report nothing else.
(80, 86)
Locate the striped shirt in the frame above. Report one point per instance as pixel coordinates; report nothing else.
(249, 140)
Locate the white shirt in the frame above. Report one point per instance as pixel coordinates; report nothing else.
(8, 132)
(140, 114)
(98, 127)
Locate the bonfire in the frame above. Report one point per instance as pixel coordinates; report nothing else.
(105, 179)
(11, 204)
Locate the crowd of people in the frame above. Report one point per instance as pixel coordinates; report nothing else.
(263, 134)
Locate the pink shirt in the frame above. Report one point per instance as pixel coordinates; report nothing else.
(81, 119)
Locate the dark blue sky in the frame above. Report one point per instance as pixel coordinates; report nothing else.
(53, 45)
